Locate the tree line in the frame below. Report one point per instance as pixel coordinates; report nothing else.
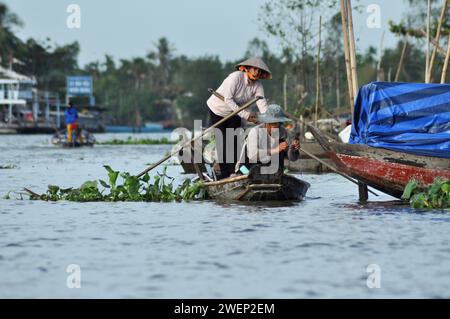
(162, 86)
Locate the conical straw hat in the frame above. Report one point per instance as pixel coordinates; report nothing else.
(257, 63)
(274, 114)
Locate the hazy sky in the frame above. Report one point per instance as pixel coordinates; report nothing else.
(127, 28)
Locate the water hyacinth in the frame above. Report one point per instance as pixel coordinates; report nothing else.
(142, 141)
(437, 196)
(9, 166)
(131, 189)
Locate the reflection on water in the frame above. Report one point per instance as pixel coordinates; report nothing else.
(255, 206)
(318, 248)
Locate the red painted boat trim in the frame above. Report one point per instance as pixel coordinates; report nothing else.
(388, 176)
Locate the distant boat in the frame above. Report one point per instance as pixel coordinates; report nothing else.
(60, 139)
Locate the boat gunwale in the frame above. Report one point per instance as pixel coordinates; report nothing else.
(227, 180)
(359, 150)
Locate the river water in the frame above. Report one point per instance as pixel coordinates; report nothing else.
(320, 248)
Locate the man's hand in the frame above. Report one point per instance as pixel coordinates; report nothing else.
(252, 119)
(282, 147)
(296, 144)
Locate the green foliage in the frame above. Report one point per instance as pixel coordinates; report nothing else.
(437, 196)
(142, 141)
(9, 166)
(165, 87)
(132, 189)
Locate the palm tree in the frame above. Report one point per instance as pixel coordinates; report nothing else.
(8, 41)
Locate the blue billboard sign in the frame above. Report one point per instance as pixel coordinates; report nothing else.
(79, 85)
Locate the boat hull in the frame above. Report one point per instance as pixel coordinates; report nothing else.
(60, 140)
(385, 170)
(244, 188)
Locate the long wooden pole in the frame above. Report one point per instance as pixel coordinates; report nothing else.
(362, 188)
(338, 85)
(427, 62)
(285, 91)
(400, 63)
(333, 169)
(380, 58)
(352, 50)
(440, 50)
(318, 74)
(245, 106)
(347, 54)
(438, 36)
(447, 58)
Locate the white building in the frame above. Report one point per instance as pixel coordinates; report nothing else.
(16, 91)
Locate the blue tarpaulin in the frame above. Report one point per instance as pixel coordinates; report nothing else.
(407, 117)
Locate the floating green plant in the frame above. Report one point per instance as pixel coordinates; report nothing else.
(436, 196)
(130, 189)
(142, 141)
(9, 166)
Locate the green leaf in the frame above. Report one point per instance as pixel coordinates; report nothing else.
(409, 189)
(88, 184)
(146, 178)
(112, 176)
(104, 184)
(445, 187)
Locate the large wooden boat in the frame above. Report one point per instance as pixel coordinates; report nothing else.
(385, 170)
(258, 187)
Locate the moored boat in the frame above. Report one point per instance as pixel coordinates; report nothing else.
(258, 187)
(386, 170)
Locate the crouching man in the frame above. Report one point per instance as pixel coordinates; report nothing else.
(267, 144)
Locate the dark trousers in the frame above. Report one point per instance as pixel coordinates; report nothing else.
(226, 169)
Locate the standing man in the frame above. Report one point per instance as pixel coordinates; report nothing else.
(238, 88)
(71, 115)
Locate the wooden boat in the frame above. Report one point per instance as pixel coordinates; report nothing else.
(258, 187)
(60, 139)
(307, 164)
(385, 170)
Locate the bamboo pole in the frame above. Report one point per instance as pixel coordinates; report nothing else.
(440, 49)
(347, 54)
(438, 36)
(338, 85)
(447, 58)
(380, 57)
(352, 50)
(427, 62)
(400, 63)
(318, 73)
(363, 191)
(285, 91)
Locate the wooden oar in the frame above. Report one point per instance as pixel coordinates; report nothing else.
(333, 169)
(245, 106)
(306, 152)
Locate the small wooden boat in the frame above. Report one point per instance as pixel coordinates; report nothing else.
(258, 187)
(60, 139)
(386, 170)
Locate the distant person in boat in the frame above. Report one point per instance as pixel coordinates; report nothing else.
(71, 115)
(268, 141)
(238, 88)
